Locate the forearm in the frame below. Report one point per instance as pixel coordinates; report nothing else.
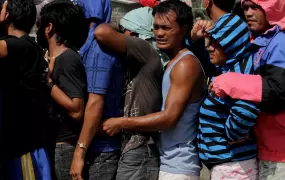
(273, 92)
(63, 100)
(242, 119)
(92, 120)
(153, 122)
(239, 86)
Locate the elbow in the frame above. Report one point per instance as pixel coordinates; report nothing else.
(169, 125)
(78, 116)
(171, 121)
(101, 32)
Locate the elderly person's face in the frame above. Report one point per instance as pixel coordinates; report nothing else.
(255, 17)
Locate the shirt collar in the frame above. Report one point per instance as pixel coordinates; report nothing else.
(264, 39)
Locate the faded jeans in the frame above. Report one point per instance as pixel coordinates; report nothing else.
(141, 163)
(101, 166)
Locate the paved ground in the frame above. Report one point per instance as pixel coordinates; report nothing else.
(205, 174)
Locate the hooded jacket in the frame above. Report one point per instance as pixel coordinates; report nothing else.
(226, 120)
(267, 87)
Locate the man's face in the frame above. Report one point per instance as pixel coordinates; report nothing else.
(255, 17)
(168, 33)
(216, 52)
(41, 36)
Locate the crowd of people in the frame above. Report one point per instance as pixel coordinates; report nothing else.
(149, 99)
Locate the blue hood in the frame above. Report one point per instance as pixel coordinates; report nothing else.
(232, 33)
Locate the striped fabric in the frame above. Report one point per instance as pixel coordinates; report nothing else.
(227, 120)
(31, 166)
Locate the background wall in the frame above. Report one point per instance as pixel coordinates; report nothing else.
(120, 9)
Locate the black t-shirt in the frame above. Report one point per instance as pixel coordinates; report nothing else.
(22, 79)
(69, 75)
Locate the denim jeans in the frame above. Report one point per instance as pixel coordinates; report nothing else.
(63, 158)
(101, 166)
(141, 163)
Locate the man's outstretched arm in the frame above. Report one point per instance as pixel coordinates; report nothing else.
(184, 78)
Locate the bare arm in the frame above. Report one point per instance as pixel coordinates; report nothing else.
(3, 49)
(184, 78)
(74, 106)
(92, 119)
(109, 37)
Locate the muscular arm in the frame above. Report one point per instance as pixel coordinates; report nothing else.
(184, 78)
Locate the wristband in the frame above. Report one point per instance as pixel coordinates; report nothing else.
(50, 85)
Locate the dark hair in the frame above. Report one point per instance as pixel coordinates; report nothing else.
(238, 10)
(22, 14)
(225, 5)
(184, 15)
(68, 20)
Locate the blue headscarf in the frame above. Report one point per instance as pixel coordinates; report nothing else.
(99, 9)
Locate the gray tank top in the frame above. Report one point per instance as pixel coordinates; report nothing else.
(178, 144)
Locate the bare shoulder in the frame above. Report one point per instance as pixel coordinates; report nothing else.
(3, 49)
(188, 66)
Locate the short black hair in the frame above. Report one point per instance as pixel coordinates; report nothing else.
(184, 15)
(68, 20)
(238, 10)
(22, 14)
(225, 5)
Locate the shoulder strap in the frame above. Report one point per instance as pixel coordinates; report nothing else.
(178, 59)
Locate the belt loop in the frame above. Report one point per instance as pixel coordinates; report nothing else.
(149, 151)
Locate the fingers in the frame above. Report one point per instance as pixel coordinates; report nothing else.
(112, 132)
(200, 29)
(75, 176)
(3, 11)
(206, 25)
(212, 90)
(210, 87)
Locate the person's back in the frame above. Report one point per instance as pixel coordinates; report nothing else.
(143, 89)
(25, 114)
(23, 95)
(105, 76)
